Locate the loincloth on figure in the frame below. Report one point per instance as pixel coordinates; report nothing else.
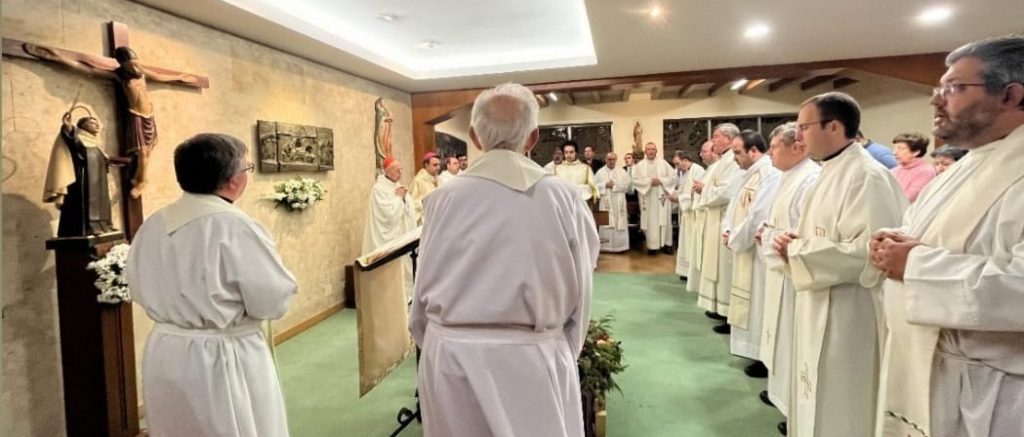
(141, 133)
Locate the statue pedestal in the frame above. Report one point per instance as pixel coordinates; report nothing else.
(97, 344)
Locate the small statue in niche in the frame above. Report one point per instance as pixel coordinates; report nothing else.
(638, 139)
(382, 132)
(76, 178)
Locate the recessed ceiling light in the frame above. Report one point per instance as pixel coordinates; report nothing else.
(427, 45)
(757, 31)
(553, 96)
(655, 12)
(738, 84)
(935, 15)
(387, 17)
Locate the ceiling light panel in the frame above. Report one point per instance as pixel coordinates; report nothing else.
(481, 38)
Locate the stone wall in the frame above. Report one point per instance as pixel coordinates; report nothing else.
(249, 82)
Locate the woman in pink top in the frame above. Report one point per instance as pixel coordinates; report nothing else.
(912, 173)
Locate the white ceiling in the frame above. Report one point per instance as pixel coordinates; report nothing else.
(484, 42)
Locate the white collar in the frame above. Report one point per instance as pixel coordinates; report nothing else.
(192, 206)
(508, 168)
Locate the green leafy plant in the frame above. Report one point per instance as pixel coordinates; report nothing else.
(601, 359)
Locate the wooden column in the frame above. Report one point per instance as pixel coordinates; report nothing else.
(97, 344)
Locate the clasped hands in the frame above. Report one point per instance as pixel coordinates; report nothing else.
(888, 252)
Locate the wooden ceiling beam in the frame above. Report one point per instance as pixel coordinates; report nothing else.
(751, 85)
(542, 100)
(596, 95)
(685, 88)
(843, 82)
(569, 99)
(714, 88)
(625, 94)
(656, 92)
(815, 81)
(781, 83)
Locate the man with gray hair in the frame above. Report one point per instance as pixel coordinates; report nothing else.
(799, 172)
(502, 301)
(208, 274)
(720, 185)
(954, 359)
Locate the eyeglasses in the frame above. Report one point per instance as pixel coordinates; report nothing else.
(952, 88)
(804, 126)
(249, 168)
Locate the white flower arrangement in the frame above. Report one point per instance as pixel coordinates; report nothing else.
(298, 194)
(111, 273)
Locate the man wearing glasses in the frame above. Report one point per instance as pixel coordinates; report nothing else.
(954, 293)
(208, 274)
(837, 322)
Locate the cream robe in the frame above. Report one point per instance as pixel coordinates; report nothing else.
(503, 303)
(721, 184)
(422, 185)
(207, 274)
(685, 197)
(615, 235)
(445, 177)
(579, 174)
(837, 322)
(777, 326)
(746, 301)
(387, 218)
(954, 362)
(655, 208)
(695, 243)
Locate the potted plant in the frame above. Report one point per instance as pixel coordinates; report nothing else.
(599, 362)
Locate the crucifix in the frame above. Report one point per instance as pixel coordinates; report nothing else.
(97, 340)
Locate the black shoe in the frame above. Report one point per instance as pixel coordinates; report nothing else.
(714, 315)
(651, 252)
(667, 250)
(722, 329)
(683, 278)
(756, 370)
(764, 398)
(782, 428)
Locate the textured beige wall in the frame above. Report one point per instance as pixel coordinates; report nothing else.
(889, 106)
(248, 82)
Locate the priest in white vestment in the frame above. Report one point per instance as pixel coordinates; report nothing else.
(208, 275)
(655, 180)
(746, 302)
(389, 215)
(424, 182)
(556, 158)
(954, 297)
(683, 197)
(450, 172)
(837, 321)
(721, 184)
(576, 172)
(695, 237)
(799, 174)
(612, 184)
(502, 301)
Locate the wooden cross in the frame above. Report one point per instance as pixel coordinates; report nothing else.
(103, 65)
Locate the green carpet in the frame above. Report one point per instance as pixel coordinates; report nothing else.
(681, 380)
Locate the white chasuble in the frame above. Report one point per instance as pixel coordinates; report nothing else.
(837, 322)
(655, 208)
(502, 303)
(387, 218)
(721, 184)
(614, 235)
(954, 361)
(208, 275)
(686, 217)
(580, 175)
(746, 301)
(777, 323)
(422, 185)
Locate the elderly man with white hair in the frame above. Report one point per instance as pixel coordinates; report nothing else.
(502, 325)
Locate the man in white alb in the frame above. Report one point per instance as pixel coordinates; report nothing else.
(576, 172)
(503, 293)
(954, 296)
(612, 184)
(683, 196)
(837, 321)
(655, 180)
(450, 171)
(389, 215)
(720, 185)
(208, 274)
